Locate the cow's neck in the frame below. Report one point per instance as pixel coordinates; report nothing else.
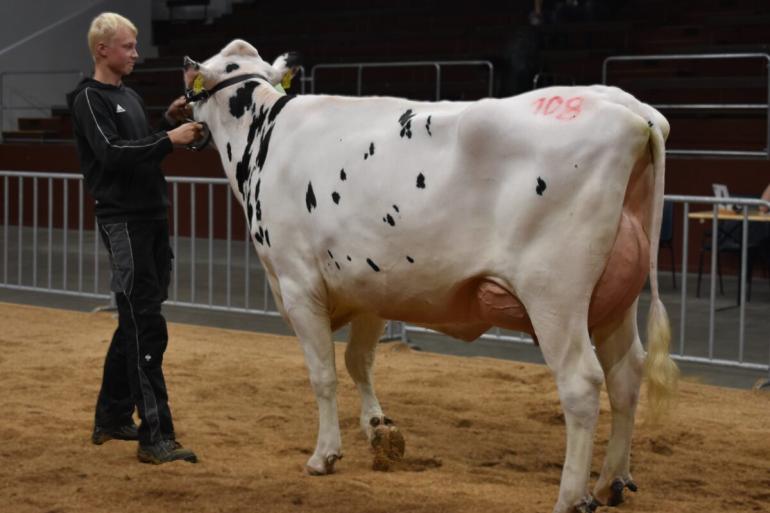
(248, 134)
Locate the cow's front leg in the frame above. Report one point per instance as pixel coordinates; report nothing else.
(386, 440)
(313, 330)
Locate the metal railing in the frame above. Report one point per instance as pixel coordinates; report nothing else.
(205, 267)
(436, 65)
(216, 267)
(743, 205)
(765, 153)
(47, 106)
(555, 78)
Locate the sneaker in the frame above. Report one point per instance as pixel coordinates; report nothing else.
(125, 432)
(165, 451)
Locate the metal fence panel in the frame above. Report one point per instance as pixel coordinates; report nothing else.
(236, 282)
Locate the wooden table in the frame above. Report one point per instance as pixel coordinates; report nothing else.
(729, 215)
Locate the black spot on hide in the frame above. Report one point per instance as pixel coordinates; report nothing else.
(263, 146)
(540, 186)
(389, 219)
(343, 176)
(372, 265)
(242, 167)
(410, 259)
(229, 153)
(406, 123)
(243, 99)
(427, 126)
(336, 198)
(310, 197)
(420, 181)
(278, 107)
(231, 67)
(250, 212)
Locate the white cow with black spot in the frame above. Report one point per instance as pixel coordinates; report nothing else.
(539, 213)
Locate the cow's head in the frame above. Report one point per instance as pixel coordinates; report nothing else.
(237, 58)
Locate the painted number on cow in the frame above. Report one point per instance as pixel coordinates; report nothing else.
(558, 107)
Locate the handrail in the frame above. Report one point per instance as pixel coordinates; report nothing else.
(437, 65)
(3, 74)
(538, 76)
(706, 56)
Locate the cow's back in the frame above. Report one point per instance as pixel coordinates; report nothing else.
(413, 202)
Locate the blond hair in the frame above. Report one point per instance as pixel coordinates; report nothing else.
(104, 27)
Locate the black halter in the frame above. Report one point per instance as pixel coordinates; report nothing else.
(205, 94)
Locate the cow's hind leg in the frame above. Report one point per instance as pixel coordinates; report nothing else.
(563, 335)
(312, 326)
(385, 438)
(622, 358)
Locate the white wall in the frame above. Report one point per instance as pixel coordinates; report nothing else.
(60, 46)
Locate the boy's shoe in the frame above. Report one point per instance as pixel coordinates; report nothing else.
(125, 432)
(165, 451)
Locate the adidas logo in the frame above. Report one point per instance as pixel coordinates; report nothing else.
(120, 109)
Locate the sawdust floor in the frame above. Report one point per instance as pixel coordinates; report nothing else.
(482, 434)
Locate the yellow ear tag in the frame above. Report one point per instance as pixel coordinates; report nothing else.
(198, 84)
(286, 81)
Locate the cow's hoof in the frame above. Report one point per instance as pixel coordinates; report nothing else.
(616, 491)
(388, 443)
(321, 467)
(587, 505)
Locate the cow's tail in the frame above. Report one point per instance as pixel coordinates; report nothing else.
(661, 373)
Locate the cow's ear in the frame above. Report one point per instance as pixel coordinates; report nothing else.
(239, 47)
(287, 61)
(198, 76)
(285, 67)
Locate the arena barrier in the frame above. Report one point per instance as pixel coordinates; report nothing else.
(707, 107)
(49, 245)
(437, 66)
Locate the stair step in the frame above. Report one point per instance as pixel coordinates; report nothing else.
(37, 135)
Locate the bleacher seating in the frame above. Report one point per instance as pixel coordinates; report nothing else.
(348, 31)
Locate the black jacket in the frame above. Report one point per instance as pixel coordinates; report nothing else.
(119, 153)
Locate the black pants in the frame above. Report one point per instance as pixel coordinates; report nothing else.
(141, 258)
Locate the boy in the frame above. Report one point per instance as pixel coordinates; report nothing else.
(120, 158)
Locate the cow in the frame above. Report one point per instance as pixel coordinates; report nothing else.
(539, 213)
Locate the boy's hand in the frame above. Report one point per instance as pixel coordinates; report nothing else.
(178, 111)
(186, 133)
